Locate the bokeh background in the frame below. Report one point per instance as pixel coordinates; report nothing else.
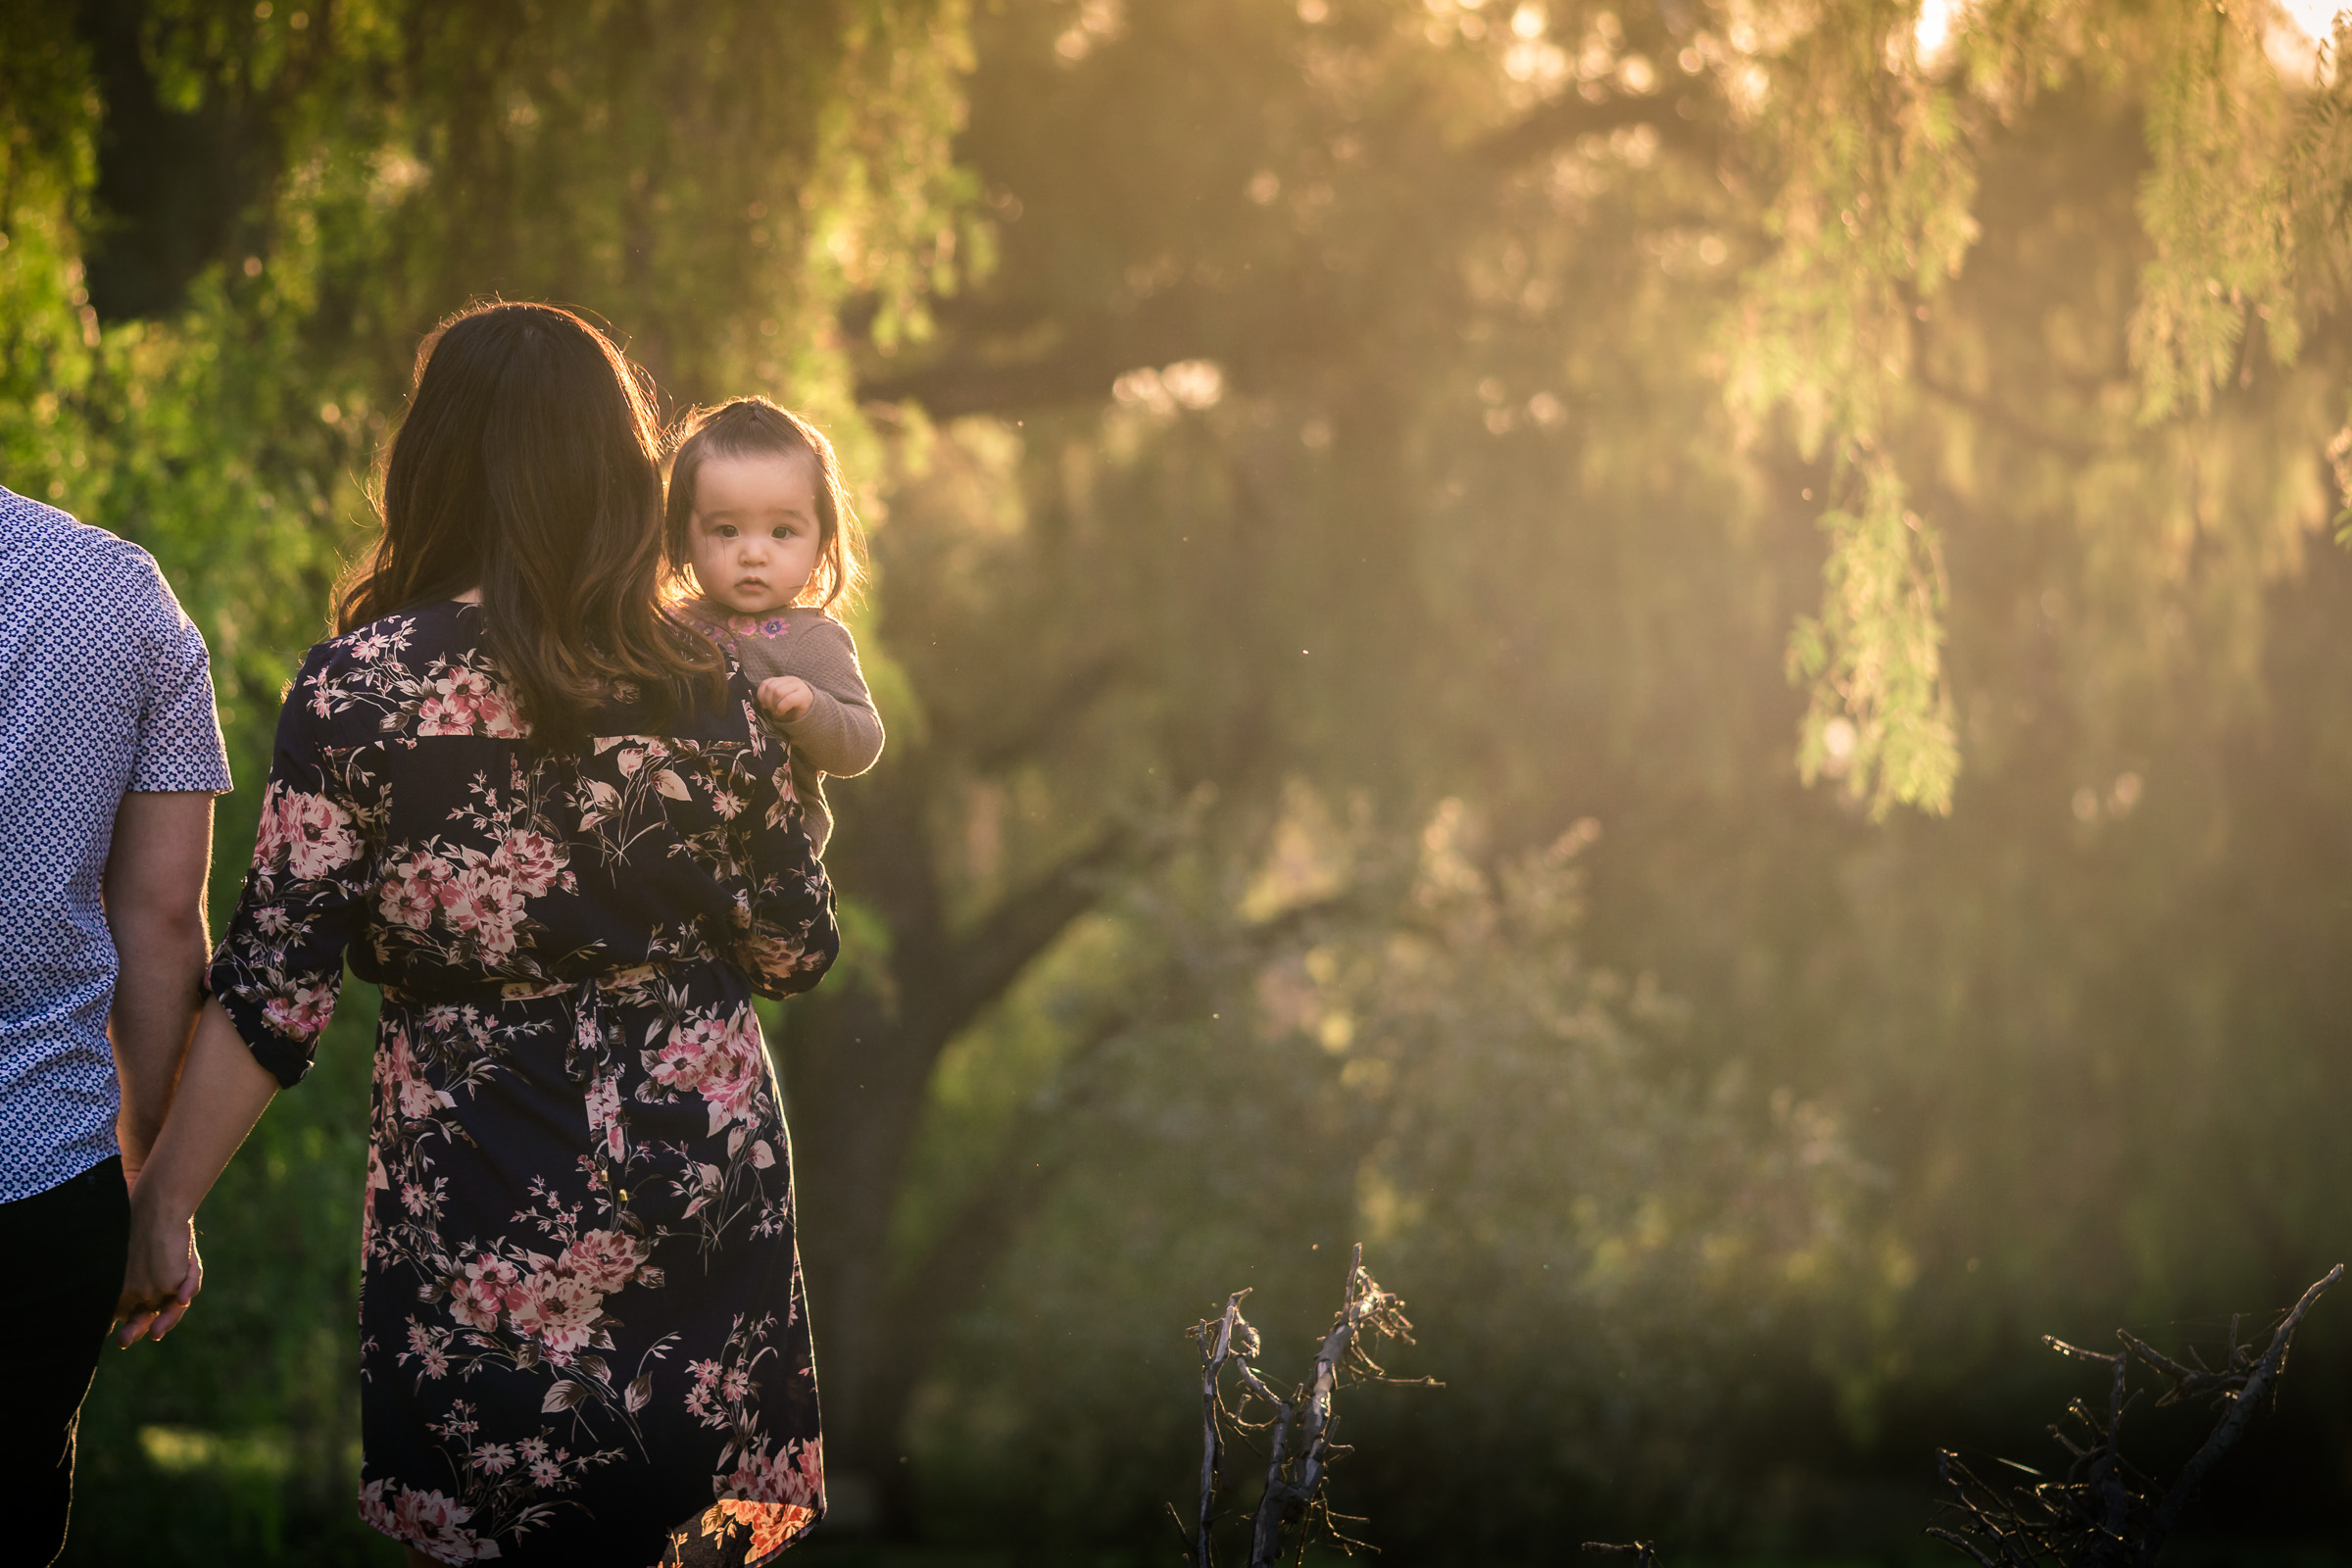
(1681, 663)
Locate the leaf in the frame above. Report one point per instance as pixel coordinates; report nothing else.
(596, 1368)
(639, 1393)
(668, 783)
(565, 1395)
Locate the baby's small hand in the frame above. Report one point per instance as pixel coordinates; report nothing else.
(785, 697)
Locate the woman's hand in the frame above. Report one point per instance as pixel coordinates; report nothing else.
(160, 1278)
(785, 697)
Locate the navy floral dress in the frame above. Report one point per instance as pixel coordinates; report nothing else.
(582, 1336)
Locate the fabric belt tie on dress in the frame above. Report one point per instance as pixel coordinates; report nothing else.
(593, 1030)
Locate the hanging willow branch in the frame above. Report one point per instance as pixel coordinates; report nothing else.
(1298, 1430)
(2107, 1512)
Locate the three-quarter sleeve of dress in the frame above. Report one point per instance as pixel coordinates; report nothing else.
(279, 965)
(792, 940)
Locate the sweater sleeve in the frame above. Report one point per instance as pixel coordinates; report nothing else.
(839, 734)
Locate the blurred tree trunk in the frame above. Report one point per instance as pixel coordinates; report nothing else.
(857, 1065)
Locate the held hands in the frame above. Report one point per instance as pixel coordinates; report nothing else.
(785, 697)
(223, 1091)
(160, 1279)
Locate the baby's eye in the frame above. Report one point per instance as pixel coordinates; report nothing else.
(725, 530)
(785, 530)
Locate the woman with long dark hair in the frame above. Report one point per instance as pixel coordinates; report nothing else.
(543, 818)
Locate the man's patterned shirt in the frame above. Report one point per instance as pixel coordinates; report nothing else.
(104, 688)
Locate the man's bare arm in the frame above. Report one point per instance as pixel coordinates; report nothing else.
(153, 891)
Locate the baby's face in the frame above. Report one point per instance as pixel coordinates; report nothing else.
(756, 531)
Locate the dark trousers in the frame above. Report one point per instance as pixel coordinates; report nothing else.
(65, 1250)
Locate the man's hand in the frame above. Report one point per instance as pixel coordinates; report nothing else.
(160, 1277)
(785, 697)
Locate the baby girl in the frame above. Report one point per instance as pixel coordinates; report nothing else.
(757, 512)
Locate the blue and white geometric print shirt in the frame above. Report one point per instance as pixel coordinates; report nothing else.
(104, 687)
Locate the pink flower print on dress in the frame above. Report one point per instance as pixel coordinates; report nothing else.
(395, 1069)
(488, 1287)
(733, 1072)
(487, 907)
(374, 1510)
(559, 1308)
(502, 721)
(684, 1059)
(465, 701)
(530, 861)
(418, 889)
(311, 831)
(432, 1523)
(605, 1260)
(317, 834)
(430, 1348)
(796, 1475)
(303, 1014)
(721, 1061)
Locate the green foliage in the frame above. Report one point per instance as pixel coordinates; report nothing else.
(1877, 150)
(1881, 624)
(2215, 205)
(1415, 1056)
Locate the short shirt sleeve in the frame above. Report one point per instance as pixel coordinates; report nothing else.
(179, 746)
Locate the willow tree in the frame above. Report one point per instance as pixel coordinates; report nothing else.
(1510, 400)
(2199, 463)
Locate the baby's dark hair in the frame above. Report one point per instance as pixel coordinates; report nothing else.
(756, 427)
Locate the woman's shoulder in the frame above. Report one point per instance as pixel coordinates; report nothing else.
(409, 664)
(414, 638)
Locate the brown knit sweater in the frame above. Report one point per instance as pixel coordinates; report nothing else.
(840, 733)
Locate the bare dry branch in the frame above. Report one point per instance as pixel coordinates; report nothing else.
(2242, 1409)
(2106, 1513)
(1298, 1432)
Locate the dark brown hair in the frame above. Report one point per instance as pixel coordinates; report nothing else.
(526, 464)
(757, 427)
